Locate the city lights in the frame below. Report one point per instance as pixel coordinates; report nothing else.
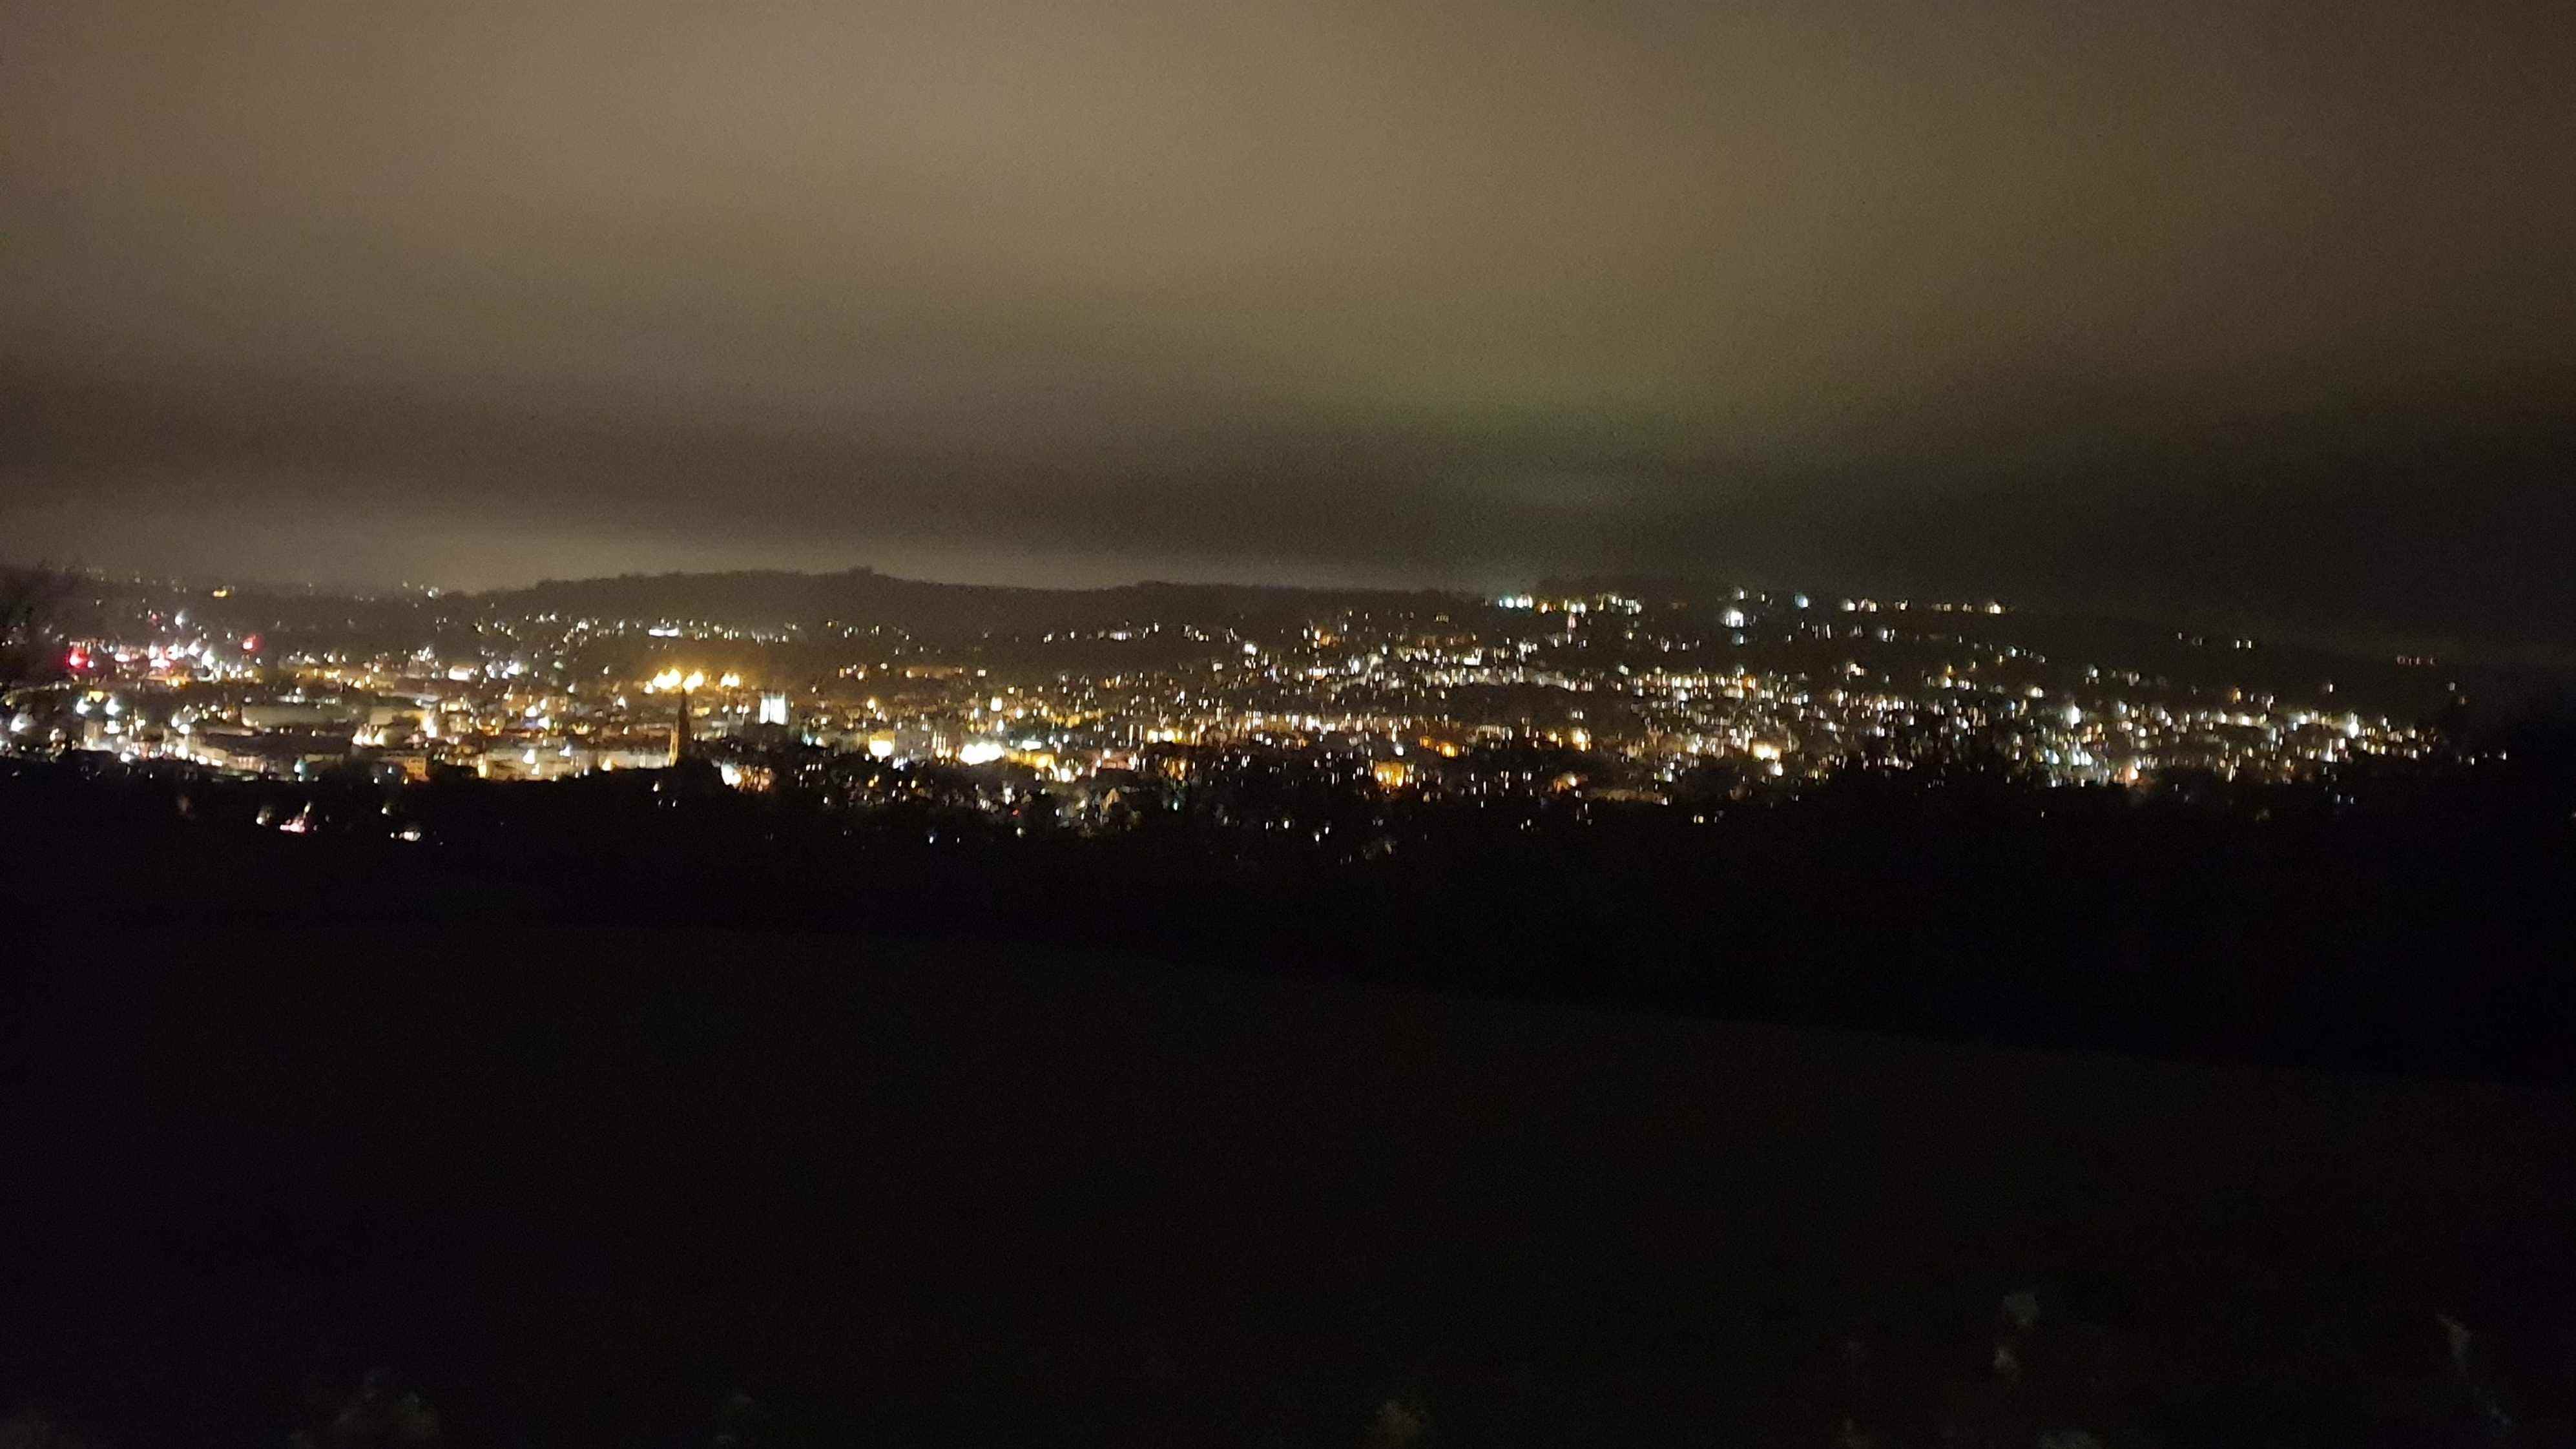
(1435, 702)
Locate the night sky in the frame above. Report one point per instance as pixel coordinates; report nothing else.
(2193, 305)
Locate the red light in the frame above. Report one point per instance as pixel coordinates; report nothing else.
(77, 659)
(251, 645)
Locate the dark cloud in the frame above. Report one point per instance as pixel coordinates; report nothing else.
(2256, 308)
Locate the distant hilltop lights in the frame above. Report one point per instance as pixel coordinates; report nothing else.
(1586, 604)
(1621, 603)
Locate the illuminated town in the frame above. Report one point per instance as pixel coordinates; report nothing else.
(1592, 699)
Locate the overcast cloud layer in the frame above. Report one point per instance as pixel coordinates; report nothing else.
(2265, 308)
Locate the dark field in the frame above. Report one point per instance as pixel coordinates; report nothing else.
(582, 1187)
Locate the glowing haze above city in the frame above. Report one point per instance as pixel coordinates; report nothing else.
(2257, 312)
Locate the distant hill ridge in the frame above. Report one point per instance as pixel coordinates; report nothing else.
(862, 595)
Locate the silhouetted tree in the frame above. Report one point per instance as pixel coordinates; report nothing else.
(38, 1429)
(378, 1413)
(30, 604)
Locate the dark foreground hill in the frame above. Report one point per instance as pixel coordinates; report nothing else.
(588, 1186)
(2416, 920)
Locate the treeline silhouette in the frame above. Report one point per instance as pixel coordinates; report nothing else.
(2387, 915)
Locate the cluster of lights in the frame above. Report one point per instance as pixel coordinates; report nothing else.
(529, 702)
